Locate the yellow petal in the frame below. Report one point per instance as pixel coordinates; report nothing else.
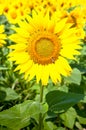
(60, 25)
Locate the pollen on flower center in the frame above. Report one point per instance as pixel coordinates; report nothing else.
(44, 48)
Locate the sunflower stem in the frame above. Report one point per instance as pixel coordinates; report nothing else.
(40, 114)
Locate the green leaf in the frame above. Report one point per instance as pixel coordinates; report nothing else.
(63, 88)
(82, 120)
(1, 107)
(4, 128)
(75, 77)
(84, 99)
(69, 117)
(76, 88)
(35, 128)
(34, 110)
(78, 125)
(59, 101)
(43, 108)
(49, 126)
(19, 116)
(60, 128)
(10, 94)
(3, 68)
(2, 95)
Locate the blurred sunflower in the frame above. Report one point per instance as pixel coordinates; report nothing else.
(5, 6)
(13, 10)
(16, 11)
(2, 35)
(76, 17)
(49, 5)
(43, 46)
(65, 4)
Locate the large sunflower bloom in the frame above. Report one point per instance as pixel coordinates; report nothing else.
(2, 35)
(43, 47)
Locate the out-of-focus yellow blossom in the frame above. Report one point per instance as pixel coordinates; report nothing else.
(2, 35)
(76, 17)
(13, 10)
(17, 9)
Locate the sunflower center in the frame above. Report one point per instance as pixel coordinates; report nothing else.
(13, 15)
(44, 48)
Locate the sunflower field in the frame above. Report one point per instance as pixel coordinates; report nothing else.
(42, 65)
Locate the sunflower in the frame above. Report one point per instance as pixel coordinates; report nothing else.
(78, 20)
(15, 15)
(13, 10)
(5, 6)
(43, 47)
(2, 35)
